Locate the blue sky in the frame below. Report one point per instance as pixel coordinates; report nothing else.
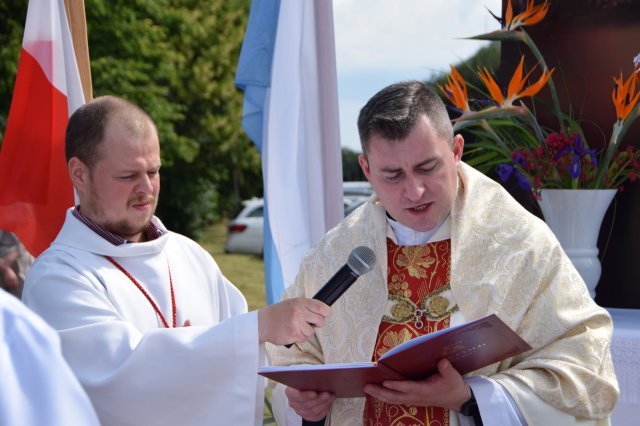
(379, 42)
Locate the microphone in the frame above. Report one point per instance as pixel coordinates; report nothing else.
(361, 260)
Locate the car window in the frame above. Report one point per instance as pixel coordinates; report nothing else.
(354, 205)
(257, 212)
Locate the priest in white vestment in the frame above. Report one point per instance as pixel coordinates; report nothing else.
(453, 246)
(148, 323)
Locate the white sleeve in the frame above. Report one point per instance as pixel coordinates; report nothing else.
(495, 404)
(38, 386)
(498, 406)
(282, 412)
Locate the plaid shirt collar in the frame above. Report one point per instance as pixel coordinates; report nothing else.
(151, 233)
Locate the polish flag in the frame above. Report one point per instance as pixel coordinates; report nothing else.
(35, 189)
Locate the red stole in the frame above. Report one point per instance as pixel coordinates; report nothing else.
(418, 278)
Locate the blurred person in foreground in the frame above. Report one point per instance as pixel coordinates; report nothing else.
(452, 246)
(14, 263)
(37, 387)
(148, 323)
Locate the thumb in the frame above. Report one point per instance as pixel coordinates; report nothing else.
(445, 368)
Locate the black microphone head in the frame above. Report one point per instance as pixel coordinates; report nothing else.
(361, 260)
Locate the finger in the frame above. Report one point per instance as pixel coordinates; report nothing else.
(383, 394)
(304, 395)
(293, 394)
(447, 371)
(318, 307)
(403, 386)
(319, 410)
(314, 320)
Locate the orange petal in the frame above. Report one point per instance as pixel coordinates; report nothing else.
(534, 88)
(624, 96)
(533, 15)
(517, 82)
(530, 16)
(492, 86)
(455, 90)
(509, 15)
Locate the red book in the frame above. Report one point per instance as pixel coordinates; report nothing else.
(468, 347)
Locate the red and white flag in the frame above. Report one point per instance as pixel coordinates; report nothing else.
(35, 189)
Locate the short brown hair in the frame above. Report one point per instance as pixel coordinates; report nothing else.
(86, 127)
(394, 111)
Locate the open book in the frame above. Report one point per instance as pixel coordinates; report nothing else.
(468, 347)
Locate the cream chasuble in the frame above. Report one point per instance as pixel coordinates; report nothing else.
(504, 261)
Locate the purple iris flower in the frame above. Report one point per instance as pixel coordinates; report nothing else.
(574, 168)
(522, 180)
(578, 148)
(505, 171)
(518, 158)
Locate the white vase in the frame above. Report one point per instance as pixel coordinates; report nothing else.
(575, 216)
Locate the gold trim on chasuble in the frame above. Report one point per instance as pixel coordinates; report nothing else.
(419, 302)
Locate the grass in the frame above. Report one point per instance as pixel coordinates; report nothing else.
(246, 272)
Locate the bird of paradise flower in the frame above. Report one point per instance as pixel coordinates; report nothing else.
(506, 112)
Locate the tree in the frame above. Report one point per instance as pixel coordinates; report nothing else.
(11, 30)
(176, 59)
(351, 170)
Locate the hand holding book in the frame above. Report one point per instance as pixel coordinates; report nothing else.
(468, 347)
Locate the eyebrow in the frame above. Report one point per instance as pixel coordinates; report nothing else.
(417, 166)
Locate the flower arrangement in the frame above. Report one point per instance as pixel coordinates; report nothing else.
(510, 137)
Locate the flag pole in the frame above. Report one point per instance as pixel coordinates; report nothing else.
(78, 26)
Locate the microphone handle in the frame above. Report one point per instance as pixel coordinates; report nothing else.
(337, 285)
(334, 288)
(316, 423)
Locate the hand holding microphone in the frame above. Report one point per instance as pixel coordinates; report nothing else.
(361, 260)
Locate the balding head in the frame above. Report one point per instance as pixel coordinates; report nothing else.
(86, 127)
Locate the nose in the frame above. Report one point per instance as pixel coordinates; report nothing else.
(145, 185)
(414, 188)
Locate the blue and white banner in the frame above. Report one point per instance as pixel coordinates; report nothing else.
(287, 70)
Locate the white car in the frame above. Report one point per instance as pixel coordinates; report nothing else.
(244, 232)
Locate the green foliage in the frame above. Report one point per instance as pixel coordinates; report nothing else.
(11, 30)
(351, 170)
(177, 60)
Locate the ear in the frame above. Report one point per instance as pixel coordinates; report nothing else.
(364, 165)
(79, 173)
(457, 148)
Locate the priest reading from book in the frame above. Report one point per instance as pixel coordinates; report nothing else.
(452, 246)
(148, 323)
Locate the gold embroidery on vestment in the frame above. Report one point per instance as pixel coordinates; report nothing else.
(435, 307)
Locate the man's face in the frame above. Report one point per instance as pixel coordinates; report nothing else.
(121, 192)
(416, 178)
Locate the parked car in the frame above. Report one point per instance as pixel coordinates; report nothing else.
(244, 231)
(355, 203)
(357, 188)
